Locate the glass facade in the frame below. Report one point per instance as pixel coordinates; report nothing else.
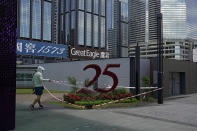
(81, 28)
(89, 5)
(81, 4)
(174, 19)
(96, 6)
(67, 28)
(87, 20)
(88, 29)
(24, 18)
(35, 22)
(191, 19)
(102, 32)
(47, 21)
(124, 10)
(118, 30)
(103, 7)
(96, 30)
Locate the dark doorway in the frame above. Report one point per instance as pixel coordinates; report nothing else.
(176, 83)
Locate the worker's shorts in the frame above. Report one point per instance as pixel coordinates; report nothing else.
(38, 90)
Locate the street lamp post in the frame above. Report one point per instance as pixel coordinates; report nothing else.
(160, 58)
(137, 70)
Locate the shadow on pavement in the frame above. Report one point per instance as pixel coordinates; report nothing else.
(47, 120)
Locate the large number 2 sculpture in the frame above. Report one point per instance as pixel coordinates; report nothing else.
(105, 72)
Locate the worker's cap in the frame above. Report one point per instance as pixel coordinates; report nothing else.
(40, 68)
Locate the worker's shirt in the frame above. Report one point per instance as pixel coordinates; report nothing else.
(37, 79)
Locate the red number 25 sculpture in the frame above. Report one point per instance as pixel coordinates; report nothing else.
(105, 72)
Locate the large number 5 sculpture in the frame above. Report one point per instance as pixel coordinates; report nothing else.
(105, 72)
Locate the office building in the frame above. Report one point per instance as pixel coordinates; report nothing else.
(83, 23)
(118, 30)
(36, 26)
(177, 40)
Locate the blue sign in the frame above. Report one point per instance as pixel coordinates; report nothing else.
(25, 47)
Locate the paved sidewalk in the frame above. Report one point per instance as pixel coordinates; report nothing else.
(174, 115)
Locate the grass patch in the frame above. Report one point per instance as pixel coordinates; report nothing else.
(65, 105)
(30, 91)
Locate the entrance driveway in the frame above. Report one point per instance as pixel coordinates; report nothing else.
(174, 115)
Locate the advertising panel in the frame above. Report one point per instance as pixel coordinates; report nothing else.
(87, 53)
(25, 47)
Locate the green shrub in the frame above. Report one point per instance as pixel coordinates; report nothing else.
(85, 103)
(146, 81)
(86, 81)
(73, 82)
(118, 91)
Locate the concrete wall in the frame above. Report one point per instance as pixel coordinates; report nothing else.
(63, 70)
(190, 70)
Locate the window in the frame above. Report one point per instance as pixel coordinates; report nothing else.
(24, 18)
(88, 30)
(68, 5)
(67, 28)
(102, 32)
(88, 5)
(62, 6)
(103, 7)
(124, 34)
(81, 4)
(96, 19)
(47, 21)
(73, 4)
(36, 19)
(124, 11)
(62, 29)
(73, 23)
(81, 28)
(96, 6)
(73, 14)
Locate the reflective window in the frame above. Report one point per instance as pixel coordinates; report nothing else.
(62, 29)
(109, 14)
(81, 28)
(68, 5)
(81, 4)
(96, 6)
(124, 34)
(88, 30)
(124, 10)
(47, 21)
(174, 19)
(73, 4)
(102, 32)
(67, 28)
(62, 22)
(73, 14)
(24, 18)
(96, 19)
(103, 7)
(73, 24)
(62, 6)
(36, 19)
(88, 5)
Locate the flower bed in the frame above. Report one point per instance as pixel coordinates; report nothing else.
(91, 100)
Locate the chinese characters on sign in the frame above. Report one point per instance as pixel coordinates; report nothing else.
(41, 49)
(87, 53)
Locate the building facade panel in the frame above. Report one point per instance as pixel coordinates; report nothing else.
(88, 22)
(118, 32)
(36, 22)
